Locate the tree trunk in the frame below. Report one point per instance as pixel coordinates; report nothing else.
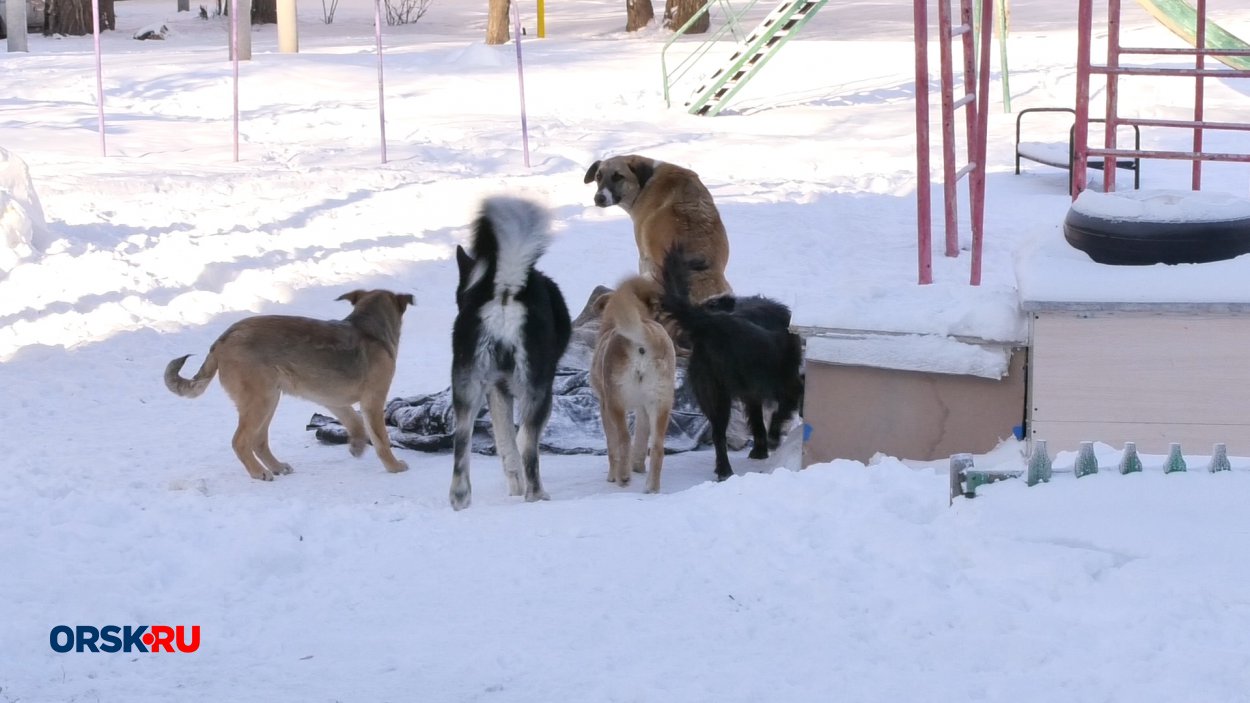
(497, 22)
(71, 17)
(108, 16)
(678, 12)
(264, 11)
(638, 14)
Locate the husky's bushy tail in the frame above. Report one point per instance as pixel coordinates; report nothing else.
(509, 235)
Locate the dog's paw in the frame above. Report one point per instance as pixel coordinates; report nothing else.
(653, 489)
(624, 482)
(265, 475)
(284, 468)
(640, 468)
(611, 477)
(400, 466)
(516, 486)
(724, 476)
(357, 447)
(535, 496)
(460, 499)
(758, 452)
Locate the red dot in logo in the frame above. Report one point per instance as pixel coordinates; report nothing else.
(148, 638)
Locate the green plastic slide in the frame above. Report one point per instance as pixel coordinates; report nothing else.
(1181, 17)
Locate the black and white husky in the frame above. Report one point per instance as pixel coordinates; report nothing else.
(510, 331)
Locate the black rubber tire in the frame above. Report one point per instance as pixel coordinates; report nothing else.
(1138, 243)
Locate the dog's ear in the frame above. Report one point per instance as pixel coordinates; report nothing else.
(352, 297)
(643, 171)
(464, 262)
(600, 303)
(404, 300)
(592, 172)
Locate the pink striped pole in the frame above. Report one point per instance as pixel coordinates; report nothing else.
(520, 77)
(377, 31)
(99, 73)
(924, 206)
(234, 54)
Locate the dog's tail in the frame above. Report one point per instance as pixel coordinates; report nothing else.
(676, 297)
(626, 307)
(192, 387)
(510, 234)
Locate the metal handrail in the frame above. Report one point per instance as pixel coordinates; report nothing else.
(683, 67)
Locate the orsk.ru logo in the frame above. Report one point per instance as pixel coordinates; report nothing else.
(130, 638)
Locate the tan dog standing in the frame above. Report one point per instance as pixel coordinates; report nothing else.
(634, 369)
(669, 206)
(336, 363)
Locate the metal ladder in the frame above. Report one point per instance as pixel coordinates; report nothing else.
(778, 27)
(974, 100)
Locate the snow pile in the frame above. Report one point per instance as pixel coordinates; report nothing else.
(1163, 206)
(23, 231)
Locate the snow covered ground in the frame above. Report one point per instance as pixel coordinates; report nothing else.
(122, 504)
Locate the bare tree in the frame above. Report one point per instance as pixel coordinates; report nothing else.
(497, 22)
(71, 17)
(405, 11)
(638, 14)
(678, 12)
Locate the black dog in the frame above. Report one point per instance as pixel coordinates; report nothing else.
(510, 331)
(741, 348)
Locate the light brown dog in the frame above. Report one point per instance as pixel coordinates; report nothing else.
(669, 206)
(333, 362)
(634, 369)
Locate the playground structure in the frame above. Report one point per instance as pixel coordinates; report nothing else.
(1206, 39)
(752, 53)
(976, 111)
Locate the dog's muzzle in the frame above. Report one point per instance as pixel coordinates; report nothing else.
(604, 198)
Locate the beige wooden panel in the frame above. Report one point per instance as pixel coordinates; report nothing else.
(1143, 368)
(1150, 438)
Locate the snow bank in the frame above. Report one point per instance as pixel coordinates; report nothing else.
(1163, 206)
(23, 230)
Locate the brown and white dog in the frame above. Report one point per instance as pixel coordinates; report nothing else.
(634, 369)
(669, 206)
(333, 362)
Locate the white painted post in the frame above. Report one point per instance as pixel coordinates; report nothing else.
(520, 77)
(377, 31)
(99, 73)
(241, 30)
(15, 21)
(288, 27)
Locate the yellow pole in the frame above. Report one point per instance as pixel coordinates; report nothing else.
(542, 21)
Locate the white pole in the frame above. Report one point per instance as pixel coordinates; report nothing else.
(99, 73)
(288, 27)
(377, 30)
(15, 19)
(520, 76)
(234, 55)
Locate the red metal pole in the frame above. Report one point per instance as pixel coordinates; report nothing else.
(949, 176)
(1199, 90)
(924, 183)
(1113, 93)
(1085, 22)
(977, 195)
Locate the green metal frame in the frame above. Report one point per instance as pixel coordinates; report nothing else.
(750, 59)
(732, 25)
